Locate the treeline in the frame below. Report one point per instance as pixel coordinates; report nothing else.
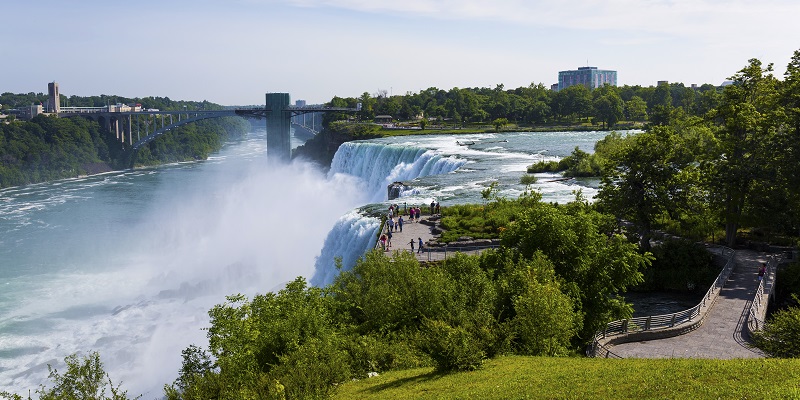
(195, 141)
(47, 148)
(538, 105)
(23, 100)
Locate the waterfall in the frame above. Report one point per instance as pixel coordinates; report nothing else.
(352, 236)
(378, 165)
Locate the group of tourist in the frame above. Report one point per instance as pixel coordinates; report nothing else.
(395, 221)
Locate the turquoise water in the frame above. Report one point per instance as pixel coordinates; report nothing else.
(129, 263)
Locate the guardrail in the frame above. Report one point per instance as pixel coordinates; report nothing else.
(441, 253)
(660, 326)
(758, 307)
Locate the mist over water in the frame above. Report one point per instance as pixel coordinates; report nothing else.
(129, 263)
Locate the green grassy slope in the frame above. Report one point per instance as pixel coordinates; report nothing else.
(517, 377)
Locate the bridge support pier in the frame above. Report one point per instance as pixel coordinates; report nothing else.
(279, 122)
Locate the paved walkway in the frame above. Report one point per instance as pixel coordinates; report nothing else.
(411, 231)
(416, 230)
(720, 335)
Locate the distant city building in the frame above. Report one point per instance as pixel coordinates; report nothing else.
(659, 83)
(591, 77)
(300, 103)
(554, 87)
(53, 102)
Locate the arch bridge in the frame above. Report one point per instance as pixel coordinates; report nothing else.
(277, 111)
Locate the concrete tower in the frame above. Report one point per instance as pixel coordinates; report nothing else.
(53, 102)
(278, 127)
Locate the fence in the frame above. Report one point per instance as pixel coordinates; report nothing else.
(758, 308)
(441, 253)
(660, 325)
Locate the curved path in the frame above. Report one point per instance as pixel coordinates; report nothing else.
(721, 334)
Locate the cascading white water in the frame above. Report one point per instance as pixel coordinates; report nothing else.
(352, 236)
(378, 165)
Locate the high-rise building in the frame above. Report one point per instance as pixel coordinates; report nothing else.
(591, 77)
(53, 101)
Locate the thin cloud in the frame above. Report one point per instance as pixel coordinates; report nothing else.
(686, 18)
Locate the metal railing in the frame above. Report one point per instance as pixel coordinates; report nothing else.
(441, 253)
(758, 307)
(628, 326)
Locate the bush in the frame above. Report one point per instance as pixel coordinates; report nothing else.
(527, 179)
(545, 320)
(781, 335)
(374, 353)
(84, 379)
(313, 370)
(451, 348)
(544, 166)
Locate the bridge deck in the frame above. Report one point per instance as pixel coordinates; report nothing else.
(721, 334)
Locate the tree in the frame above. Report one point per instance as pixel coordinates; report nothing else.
(499, 123)
(636, 109)
(661, 105)
(748, 115)
(595, 266)
(83, 379)
(608, 108)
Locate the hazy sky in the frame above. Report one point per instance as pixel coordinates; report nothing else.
(233, 51)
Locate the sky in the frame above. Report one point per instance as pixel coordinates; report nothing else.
(232, 52)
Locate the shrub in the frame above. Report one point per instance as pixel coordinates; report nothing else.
(451, 348)
(781, 335)
(84, 379)
(544, 166)
(527, 179)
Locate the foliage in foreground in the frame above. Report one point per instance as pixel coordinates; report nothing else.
(534, 296)
(781, 335)
(83, 379)
(517, 377)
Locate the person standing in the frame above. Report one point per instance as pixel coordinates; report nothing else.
(383, 242)
(419, 249)
(438, 210)
(412, 244)
(762, 271)
(433, 204)
(391, 223)
(389, 239)
(400, 223)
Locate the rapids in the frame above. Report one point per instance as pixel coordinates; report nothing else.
(128, 263)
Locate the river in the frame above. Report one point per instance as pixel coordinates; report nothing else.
(129, 263)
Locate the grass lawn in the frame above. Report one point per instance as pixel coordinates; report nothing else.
(516, 377)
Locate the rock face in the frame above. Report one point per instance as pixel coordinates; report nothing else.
(394, 189)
